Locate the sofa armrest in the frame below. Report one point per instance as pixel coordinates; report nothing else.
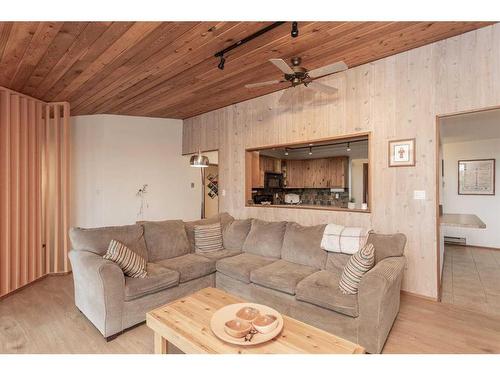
(99, 290)
(378, 302)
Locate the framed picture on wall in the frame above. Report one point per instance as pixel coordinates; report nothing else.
(402, 153)
(476, 177)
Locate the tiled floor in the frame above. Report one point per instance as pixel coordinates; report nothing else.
(471, 278)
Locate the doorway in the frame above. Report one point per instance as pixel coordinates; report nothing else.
(468, 265)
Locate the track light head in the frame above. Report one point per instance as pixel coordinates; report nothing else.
(295, 30)
(310, 151)
(286, 152)
(221, 63)
(348, 146)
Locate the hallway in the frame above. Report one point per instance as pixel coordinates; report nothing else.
(471, 278)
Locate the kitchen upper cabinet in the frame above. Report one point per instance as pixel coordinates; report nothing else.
(295, 171)
(318, 173)
(260, 165)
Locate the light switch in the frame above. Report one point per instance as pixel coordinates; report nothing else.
(419, 194)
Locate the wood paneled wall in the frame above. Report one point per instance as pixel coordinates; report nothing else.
(395, 97)
(34, 155)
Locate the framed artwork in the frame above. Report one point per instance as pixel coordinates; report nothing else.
(402, 153)
(476, 177)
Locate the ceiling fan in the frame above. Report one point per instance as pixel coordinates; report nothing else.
(298, 75)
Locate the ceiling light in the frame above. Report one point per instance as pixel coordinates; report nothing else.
(348, 146)
(286, 152)
(310, 151)
(199, 161)
(295, 30)
(221, 63)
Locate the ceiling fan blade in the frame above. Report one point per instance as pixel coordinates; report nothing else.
(287, 96)
(282, 65)
(322, 87)
(259, 84)
(328, 69)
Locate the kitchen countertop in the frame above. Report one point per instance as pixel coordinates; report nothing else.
(462, 220)
(309, 206)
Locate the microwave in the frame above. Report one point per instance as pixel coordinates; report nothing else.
(273, 180)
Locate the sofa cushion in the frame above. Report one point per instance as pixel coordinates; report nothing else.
(302, 245)
(208, 238)
(221, 254)
(281, 275)
(224, 218)
(322, 289)
(265, 238)
(387, 245)
(189, 266)
(336, 262)
(359, 264)
(158, 278)
(235, 234)
(240, 266)
(96, 240)
(165, 239)
(130, 263)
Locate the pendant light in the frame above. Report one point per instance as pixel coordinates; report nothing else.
(199, 161)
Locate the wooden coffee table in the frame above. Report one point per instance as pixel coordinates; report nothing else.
(186, 324)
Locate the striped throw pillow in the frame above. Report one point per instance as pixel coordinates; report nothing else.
(208, 238)
(358, 264)
(132, 264)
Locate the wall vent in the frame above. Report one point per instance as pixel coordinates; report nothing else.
(455, 240)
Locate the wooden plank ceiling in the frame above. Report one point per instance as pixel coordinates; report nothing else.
(167, 69)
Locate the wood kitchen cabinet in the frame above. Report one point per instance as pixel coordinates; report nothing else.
(318, 173)
(260, 165)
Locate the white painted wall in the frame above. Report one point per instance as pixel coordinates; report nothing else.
(113, 156)
(487, 208)
(357, 180)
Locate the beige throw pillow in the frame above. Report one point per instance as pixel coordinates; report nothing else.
(358, 264)
(132, 265)
(208, 238)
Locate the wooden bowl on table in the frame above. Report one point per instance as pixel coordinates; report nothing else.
(248, 313)
(237, 328)
(225, 323)
(265, 323)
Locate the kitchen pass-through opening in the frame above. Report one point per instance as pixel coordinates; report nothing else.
(327, 174)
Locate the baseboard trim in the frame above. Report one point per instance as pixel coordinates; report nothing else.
(484, 247)
(411, 294)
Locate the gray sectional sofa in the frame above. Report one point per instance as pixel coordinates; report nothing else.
(275, 263)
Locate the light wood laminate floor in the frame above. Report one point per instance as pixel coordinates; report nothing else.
(471, 278)
(42, 318)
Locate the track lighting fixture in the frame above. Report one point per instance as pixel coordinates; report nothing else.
(221, 63)
(286, 152)
(310, 150)
(295, 30)
(348, 146)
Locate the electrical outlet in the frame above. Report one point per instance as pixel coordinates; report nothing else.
(192, 185)
(419, 194)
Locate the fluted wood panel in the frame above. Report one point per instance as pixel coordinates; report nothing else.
(34, 148)
(396, 97)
